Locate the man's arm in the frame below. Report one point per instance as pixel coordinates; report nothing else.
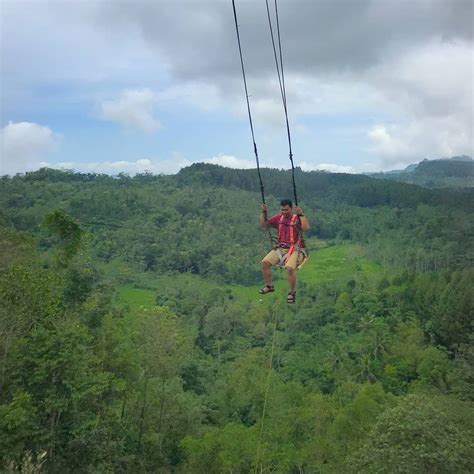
(263, 216)
(303, 219)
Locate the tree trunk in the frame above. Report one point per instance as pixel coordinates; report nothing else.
(142, 415)
(160, 419)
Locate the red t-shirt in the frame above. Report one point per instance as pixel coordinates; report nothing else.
(284, 230)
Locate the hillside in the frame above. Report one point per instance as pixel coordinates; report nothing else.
(457, 171)
(207, 215)
(133, 338)
(355, 190)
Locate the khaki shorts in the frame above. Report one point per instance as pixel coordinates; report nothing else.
(296, 258)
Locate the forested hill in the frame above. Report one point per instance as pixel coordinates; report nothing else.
(207, 207)
(356, 190)
(457, 171)
(133, 339)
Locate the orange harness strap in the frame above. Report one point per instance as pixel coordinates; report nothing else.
(292, 225)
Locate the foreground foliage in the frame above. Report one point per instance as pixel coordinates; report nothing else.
(367, 375)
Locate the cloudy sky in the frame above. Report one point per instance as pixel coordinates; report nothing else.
(129, 86)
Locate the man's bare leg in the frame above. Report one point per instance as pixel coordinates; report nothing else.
(291, 279)
(267, 273)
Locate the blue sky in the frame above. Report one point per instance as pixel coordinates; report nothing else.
(128, 86)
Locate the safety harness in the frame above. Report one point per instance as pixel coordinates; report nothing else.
(295, 238)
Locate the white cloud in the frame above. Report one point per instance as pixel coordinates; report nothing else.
(387, 144)
(410, 90)
(24, 146)
(153, 165)
(397, 145)
(134, 108)
(433, 79)
(428, 93)
(230, 161)
(202, 95)
(332, 167)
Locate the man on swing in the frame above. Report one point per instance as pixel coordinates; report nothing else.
(288, 250)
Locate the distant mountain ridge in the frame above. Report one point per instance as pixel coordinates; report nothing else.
(320, 186)
(457, 171)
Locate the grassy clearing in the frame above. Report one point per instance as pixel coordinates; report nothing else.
(136, 297)
(326, 265)
(346, 261)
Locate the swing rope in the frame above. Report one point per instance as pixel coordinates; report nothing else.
(281, 81)
(262, 189)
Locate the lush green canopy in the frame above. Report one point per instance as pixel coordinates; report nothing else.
(132, 338)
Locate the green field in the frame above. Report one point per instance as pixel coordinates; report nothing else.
(326, 264)
(339, 261)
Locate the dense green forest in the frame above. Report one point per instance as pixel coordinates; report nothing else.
(132, 337)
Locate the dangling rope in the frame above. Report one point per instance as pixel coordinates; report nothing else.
(267, 390)
(281, 81)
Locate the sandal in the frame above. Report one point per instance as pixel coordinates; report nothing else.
(266, 289)
(291, 299)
